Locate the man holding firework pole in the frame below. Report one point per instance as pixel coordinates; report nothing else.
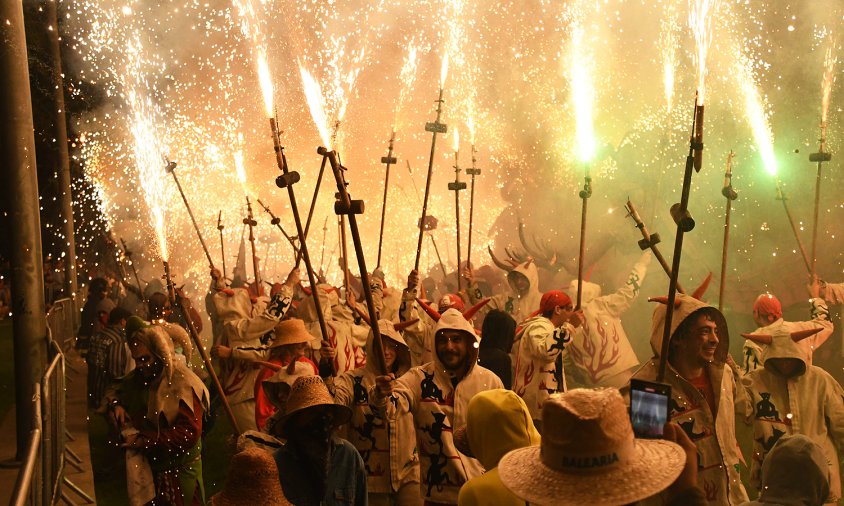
(437, 395)
(247, 330)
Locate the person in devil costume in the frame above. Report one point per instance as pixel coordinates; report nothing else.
(437, 395)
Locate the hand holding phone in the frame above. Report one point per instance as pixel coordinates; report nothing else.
(649, 408)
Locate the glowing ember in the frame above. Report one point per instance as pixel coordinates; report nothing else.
(755, 110)
(241, 171)
(266, 82)
(582, 92)
(701, 13)
(668, 38)
(828, 80)
(316, 104)
(456, 144)
(444, 71)
(406, 78)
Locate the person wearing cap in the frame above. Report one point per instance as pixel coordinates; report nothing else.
(252, 480)
(600, 353)
(791, 396)
(420, 336)
(767, 314)
(796, 471)
(437, 394)
(589, 455)
(159, 408)
(539, 340)
(704, 392)
(247, 332)
(497, 422)
(388, 446)
(287, 347)
(315, 467)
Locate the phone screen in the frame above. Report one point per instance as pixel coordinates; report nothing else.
(648, 408)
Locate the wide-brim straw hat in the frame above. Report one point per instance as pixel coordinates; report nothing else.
(588, 455)
(309, 392)
(252, 479)
(290, 331)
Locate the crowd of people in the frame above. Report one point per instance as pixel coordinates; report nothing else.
(485, 396)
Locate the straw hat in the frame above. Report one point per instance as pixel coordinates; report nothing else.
(290, 331)
(588, 455)
(252, 479)
(309, 392)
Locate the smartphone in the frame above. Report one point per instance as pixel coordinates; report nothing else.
(648, 408)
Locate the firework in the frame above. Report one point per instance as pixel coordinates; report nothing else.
(582, 91)
(668, 39)
(755, 110)
(701, 14)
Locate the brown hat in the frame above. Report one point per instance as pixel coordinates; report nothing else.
(588, 455)
(290, 331)
(253, 479)
(309, 392)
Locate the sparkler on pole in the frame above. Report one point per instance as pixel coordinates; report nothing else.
(784, 198)
(128, 255)
(730, 194)
(344, 251)
(822, 155)
(250, 222)
(473, 171)
(178, 302)
(387, 160)
(456, 186)
(171, 169)
(649, 240)
(685, 223)
(345, 206)
(585, 193)
(435, 128)
(275, 220)
(220, 227)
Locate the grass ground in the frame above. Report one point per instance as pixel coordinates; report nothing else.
(7, 369)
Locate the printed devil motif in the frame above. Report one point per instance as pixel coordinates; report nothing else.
(769, 443)
(365, 430)
(689, 428)
(430, 390)
(765, 409)
(674, 407)
(361, 397)
(435, 430)
(437, 477)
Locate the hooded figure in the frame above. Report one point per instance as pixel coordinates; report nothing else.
(347, 338)
(788, 396)
(165, 403)
(388, 447)
(767, 312)
(795, 473)
(247, 330)
(438, 397)
(420, 335)
(498, 422)
(600, 352)
(524, 294)
(704, 407)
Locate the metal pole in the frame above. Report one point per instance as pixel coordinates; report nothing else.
(456, 186)
(128, 255)
(346, 206)
(171, 168)
(685, 223)
(474, 171)
(60, 132)
(20, 191)
(435, 128)
(250, 221)
(275, 220)
(313, 204)
(439, 257)
(345, 253)
(782, 196)
(286, 180)
(730, 194)
(220, 227)
(585, 193)
(388, 160)
(821, 156)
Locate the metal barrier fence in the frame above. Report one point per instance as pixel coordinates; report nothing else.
(41, 476)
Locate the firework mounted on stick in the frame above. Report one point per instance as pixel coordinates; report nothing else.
(275, 220)
(649, 240)
(701, 14)
(822, 155)
(457, 186)
(435, 128)
(730, 194)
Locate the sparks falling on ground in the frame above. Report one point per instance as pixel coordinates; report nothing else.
(701, 20)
